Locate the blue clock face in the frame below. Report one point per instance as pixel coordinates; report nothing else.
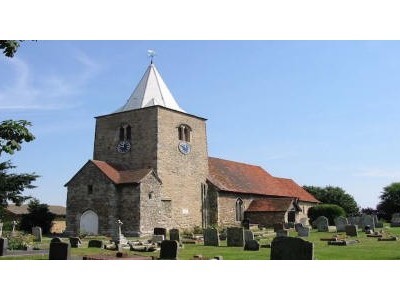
(123, 146)
(184, 147)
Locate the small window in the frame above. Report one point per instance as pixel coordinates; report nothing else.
(184, 133)
(121, 133)
(90, 189)
(128, 132)
(151, 194)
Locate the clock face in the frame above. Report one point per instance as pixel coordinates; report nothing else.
(184, 147)
(123, 146)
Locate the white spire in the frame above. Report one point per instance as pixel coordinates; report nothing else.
(151, 91)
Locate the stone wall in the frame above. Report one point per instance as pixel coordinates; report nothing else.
(266, 219)
(227, 208)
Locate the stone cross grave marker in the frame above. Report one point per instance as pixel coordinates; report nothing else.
(174, 235)
(37, 233)
(340, 223)
(291, 248)
(169, 249)
(13, 232)
(211, 237)
(3, 246)
(235, 237)
(303, 232)
(351, 230)
(248, 235)
(322, 224)
(251, 245)
(60, 251)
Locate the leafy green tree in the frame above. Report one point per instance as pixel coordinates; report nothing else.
(13, 134)
(331, 211)
(390, 201)
(334, 195)
(39, 215)
(9, 47)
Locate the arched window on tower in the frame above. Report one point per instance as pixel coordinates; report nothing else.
(121, 133)
(239, 210)
(184, 132)
(128, 132)
(125, 132)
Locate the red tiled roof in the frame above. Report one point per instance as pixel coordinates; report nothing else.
(23, 209)
(119, 175)
(261, 205)
(238, 177)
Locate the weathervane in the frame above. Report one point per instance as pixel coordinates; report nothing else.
(151, 53)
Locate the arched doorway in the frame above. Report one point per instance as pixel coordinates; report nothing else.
(89, 222)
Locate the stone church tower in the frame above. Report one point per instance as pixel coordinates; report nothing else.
(149, 167)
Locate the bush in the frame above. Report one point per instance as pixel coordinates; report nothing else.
(331, 211)
(20, 242)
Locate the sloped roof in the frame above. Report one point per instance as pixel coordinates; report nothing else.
(23, 209)
(151, 90)
(243, 178)
(262, 205)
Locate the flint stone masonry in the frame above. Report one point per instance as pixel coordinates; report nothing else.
(235, 237)
(351, 230)
(3, 246)
(340, 223)
(322, 224)
(211, 237)
(37, 233)
(174, 235)
(59, 251)
(251, 245)
(169, 250)
(291, 248)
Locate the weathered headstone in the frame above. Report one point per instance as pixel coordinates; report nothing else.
(157, 238)
(340, 223)
(3, 246)
(95, 244)
(251, 245)
(351, 230)
(56, 240)
(395, 221)
(283, 232)
(37, 233)
(322, 224)
(59, 251)
(211, 237)
(246, 224)
(297, 226)
(367, 220)
(235, 237)
(291, 248)
(278, 226)
(169, 249)
(160, 231)
(174, 235)
(303, 232)
(248, 235)
(75, 242)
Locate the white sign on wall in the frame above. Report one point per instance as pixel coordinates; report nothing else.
(185, 211)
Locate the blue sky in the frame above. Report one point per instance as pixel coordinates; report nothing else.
(319, 112)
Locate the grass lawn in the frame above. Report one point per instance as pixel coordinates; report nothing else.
(369, 248)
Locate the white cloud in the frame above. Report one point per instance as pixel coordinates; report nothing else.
(32, 91)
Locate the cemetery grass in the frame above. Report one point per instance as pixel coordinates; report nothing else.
(368, 248)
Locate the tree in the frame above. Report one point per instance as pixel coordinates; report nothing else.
(334, 195)
(330, 211)
(9, 47)
(390, 201)
(38, 215)
(13, 134)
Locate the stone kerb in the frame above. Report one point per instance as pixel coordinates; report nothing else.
(340, 223)
(235, 237)
(211, 237)
(291, 248)
(322, 224)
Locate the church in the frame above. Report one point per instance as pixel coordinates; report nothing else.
(151, 168)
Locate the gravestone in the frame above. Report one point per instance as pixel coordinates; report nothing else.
(95, 244)
(291, 248)
(322, 224)
(376, 222)
(1, 229)
(297, 226)
(169, 249)
(340, 223)
(56, 240)
(174, 235)
(395, 221)
(157, 238)
(160, 231)
(248, 235)
(246, 224)
(278, 226)
(3, 246)
(37, 233)
(303, 232)
(75, 242)
(235, 237)
(351, 230)
(211, 237)
(251, 245)
(59, 251)
(367, 220)
(283, 232)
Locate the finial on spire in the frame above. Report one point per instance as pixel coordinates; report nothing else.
(151, 53)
